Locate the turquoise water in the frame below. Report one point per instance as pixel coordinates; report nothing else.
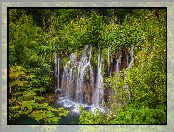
(23, 119)
(71, 118)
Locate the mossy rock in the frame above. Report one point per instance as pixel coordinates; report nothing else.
(50, 97)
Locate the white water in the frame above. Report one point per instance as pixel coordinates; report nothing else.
(132, 56)
(58, 74)
(83, 64)
(74, 106)
(130, 64)
(99, 89)
(55, 70)
(68, 80)
(77, 77)
(109, 73)
(118, 64)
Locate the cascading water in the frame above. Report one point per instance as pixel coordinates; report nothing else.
(84, 63)
(109, 73)
(77, 85)
(132, 56)
(80, 85)
(99, 89)
(68, 79)
(118, 64)
(57, 72)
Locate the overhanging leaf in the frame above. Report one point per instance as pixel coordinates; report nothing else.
(18, 83)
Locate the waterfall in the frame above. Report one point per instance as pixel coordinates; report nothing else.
(118, 64)
(83, 63)
(78, 85)
(68, 79)
(132, 56)
(55, 71)
(108, 60)
(58, 74)
(130, 64)
(99, 89)
(84, 70)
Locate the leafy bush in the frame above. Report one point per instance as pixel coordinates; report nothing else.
(25, 101)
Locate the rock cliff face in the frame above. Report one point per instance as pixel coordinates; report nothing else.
(88, 93)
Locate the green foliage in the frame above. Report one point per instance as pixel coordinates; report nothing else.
(34, 39)
(24, 33)
(24, 100)
(119, 90)
(29, 47)
(132, 114)
(89, 118)
(138, 94)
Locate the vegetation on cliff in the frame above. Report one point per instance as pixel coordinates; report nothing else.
(35, 35)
